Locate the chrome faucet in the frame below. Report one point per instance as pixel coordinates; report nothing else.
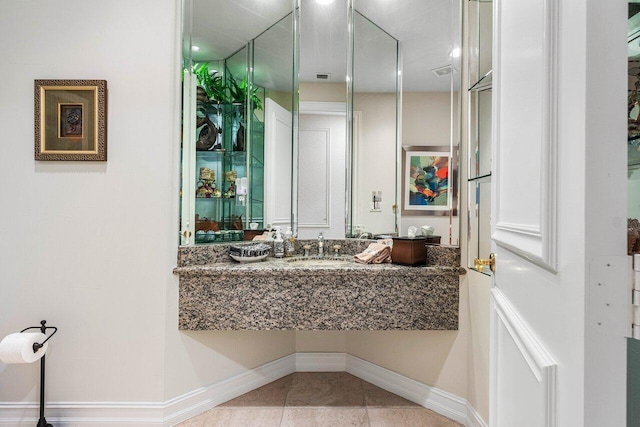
(320, 244)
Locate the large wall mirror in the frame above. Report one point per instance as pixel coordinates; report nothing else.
(338, 117)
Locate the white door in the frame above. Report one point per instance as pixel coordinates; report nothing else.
(558, 217)
(278, 153)
(321, 176)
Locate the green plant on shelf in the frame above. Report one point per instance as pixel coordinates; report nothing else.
(239, 92)
(211, 82)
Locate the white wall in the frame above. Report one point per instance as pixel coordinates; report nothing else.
(426, 121)
(376, 152)
(91, 246)
(436, 358)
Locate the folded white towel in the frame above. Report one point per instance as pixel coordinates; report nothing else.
(376, 253)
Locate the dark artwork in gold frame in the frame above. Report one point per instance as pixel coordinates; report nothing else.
(71, 120)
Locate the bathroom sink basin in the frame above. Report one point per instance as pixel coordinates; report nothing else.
(319, 262)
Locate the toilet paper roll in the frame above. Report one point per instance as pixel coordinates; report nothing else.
(18, 347)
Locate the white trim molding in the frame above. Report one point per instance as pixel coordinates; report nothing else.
(195, 402)
(534, 242)
(473, 418)
(433, 398)
(318, 107)
(321, 362)
(326, 133)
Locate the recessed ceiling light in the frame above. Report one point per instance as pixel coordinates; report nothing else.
(195, 48)
(455, 53)
(324, 1)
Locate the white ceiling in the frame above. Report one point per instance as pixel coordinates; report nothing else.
(424, 28)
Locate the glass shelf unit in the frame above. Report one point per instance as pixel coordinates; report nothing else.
(479, 143)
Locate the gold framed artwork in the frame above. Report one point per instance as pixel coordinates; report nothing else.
(71, 120)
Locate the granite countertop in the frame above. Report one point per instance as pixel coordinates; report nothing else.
(297, 265)
(216, 255)
(317, 293)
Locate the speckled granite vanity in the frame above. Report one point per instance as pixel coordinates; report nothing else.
(216, 293)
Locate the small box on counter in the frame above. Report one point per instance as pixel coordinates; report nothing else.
(432, 240)
(409, 251)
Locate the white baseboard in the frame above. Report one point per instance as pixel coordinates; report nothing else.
(473, 418)
(83, 413)
(193, 403)
(321, 362)
(166, 413)
(433, 398)
(198, 401)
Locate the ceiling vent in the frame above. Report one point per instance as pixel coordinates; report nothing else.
(323, 76)
(442, 71)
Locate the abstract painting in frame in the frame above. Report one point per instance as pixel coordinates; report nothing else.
(427, 186)
(70, 120)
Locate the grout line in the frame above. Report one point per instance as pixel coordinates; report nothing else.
(284, 407)
(286, 396)
(364, 403)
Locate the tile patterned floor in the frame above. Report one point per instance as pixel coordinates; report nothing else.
(319, 399)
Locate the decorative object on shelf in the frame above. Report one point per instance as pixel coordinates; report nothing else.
(241, 91)
(633, 116)
(206, 187)
(206, 224)
(236, 222)
(207, 134)
(230, 177)
(71, 120)
(207, 173)
(205, 236)
(633, 236)
(211, 83)
(207, 190)
(239, 144)
(426, 176)
(201, 95)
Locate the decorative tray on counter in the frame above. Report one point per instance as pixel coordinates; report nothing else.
(250, 253)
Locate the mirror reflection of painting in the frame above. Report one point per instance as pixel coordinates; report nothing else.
(427, 180)
(70, 121)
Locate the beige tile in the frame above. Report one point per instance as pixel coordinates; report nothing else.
(227, 417)
(324, 417)
(272, 394)
(375, 396)
(325, 389)
(407, 417)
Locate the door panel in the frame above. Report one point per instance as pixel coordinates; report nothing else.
(525, 134)
(278, 164)
(315, 168)
(321, 176)
(526, 377)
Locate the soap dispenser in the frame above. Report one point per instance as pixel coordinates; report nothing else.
(278, 244)
(289, 242)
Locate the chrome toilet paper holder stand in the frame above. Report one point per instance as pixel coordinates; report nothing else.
(42, 422)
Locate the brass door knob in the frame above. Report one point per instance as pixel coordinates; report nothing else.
(480, 263)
